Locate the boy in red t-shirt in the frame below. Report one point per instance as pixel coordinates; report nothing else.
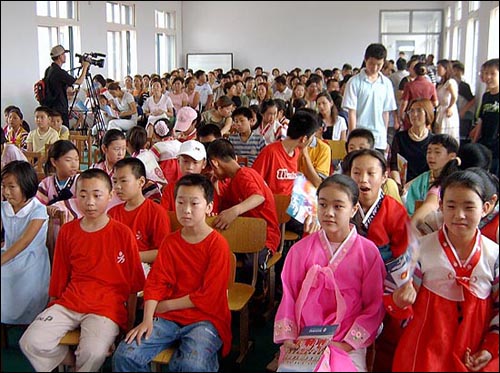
(96, 272)
(278, 162)
(185, 293)
(247, 194)
(148, 220)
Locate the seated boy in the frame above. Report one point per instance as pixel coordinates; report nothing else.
(192, 158)
(362, 138)
(186, 292)
(247, 194)
(57, 124)
(95, 273)
(148, 221)
(246, 142)
(43, 134)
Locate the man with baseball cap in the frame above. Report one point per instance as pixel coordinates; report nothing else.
(58, 81)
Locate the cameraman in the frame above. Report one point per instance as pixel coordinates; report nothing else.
(58, 81)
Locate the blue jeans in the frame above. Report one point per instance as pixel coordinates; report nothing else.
(197, 351)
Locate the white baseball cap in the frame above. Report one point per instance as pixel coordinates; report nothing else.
(194, 149)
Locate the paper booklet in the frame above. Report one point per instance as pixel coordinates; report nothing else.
(403, 168)
(312, 341)
(303, 201)
(400, 270)
(109, 111)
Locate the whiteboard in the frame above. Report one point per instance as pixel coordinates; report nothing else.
(209, 61)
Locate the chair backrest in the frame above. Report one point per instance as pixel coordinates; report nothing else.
(84, 145)
(174, 223)
(37, 160)
(245, 234)
(282, 201)
(338, 149)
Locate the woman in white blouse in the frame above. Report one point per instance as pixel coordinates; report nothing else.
(157, 106)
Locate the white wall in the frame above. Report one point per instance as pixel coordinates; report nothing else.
(307, 34)
(19, 69)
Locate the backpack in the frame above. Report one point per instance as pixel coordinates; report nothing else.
(40, 91)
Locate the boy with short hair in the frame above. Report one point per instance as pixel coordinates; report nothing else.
(277, 163)
(43, 134)
(186, 292)
(57, 124)
(246, 194)
(441, 149)
(246, 143)
(148, 221)
(95, 273)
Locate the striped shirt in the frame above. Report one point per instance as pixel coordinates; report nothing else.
(250, 149)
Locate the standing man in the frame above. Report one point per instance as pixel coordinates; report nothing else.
(369, 97)
(58, 81)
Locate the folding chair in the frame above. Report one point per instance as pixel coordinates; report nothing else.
(281, 202)
(84, 145)
(245, 235)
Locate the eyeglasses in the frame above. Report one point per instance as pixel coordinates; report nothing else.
(416, 111)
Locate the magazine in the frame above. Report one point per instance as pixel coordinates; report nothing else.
(312, 342)
(303, 201)
(400, 270)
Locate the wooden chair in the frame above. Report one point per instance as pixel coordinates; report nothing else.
(36, 159)
(245, 235)
(56, 219)
(174, 223)
(84, 145)
(281, 202)
(338, 149)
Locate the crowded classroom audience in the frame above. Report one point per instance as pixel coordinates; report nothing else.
(191, 144)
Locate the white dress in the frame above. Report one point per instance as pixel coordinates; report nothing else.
(25, 278)
(444, 124)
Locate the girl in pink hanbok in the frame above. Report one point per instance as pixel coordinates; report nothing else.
(333, 276)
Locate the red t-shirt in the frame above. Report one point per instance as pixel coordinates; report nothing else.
(244, 184)
(95, 272)
(277, 168)
(148, 222)
(200, 270)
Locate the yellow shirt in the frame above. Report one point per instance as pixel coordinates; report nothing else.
(321, 158)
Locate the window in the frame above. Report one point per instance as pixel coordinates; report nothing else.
(413, 32)
(455, 47)
(121, 37)
(56, 9)
(57, 24)
(471, 45)
(493, 37)
(165, 45)
(458, 11)
(473, 6)
(448, 17)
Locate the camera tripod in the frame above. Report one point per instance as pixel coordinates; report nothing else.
(98, 126)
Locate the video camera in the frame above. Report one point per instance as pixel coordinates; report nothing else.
(92, 58)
